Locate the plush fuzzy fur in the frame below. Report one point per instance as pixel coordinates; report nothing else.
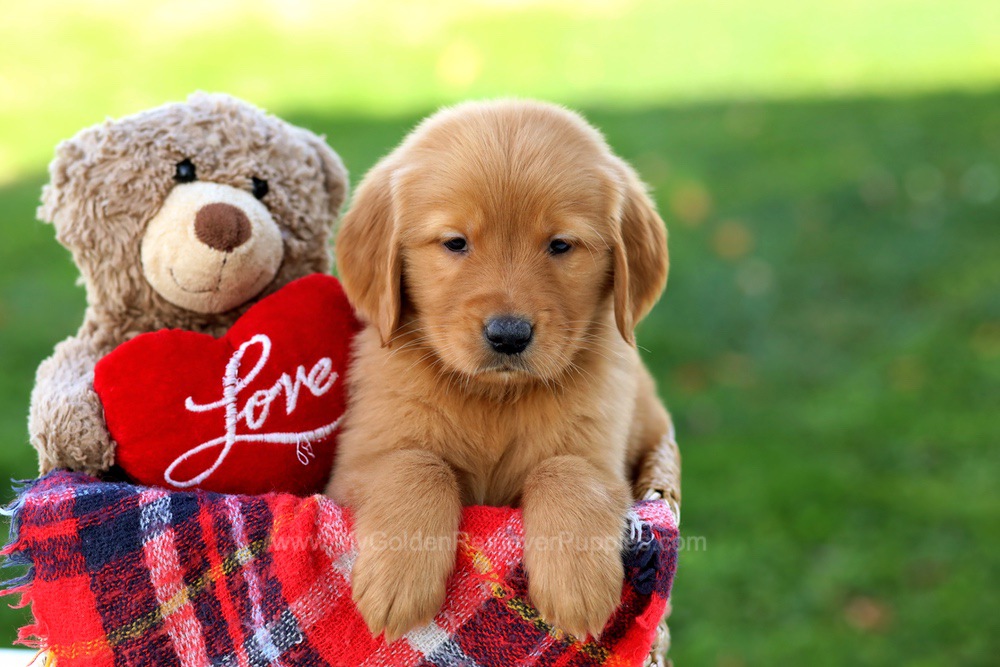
(208, 271)
(107, 183)
(436, 418)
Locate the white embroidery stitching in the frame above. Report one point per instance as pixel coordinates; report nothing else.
(319, 380)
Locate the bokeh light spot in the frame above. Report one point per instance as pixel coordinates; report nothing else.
(653, 167)
(755, 277)
(732, 240)
(691, 378)
(878, 187)
(867, 614)
(691, 203)
(924, 183)
(733, 369)
(907, 374)
(986, 340)
(459, 65)
(981, 183)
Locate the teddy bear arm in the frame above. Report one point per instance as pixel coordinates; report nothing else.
(66, 422)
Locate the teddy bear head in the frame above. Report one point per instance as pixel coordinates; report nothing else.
(188, 213)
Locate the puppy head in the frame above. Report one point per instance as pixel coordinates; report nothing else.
(502, 236)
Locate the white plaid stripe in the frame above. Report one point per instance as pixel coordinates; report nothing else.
(427, 639)
(167, 577)
(265, 646)
(327, 592)
(315, 604)
(450, 654)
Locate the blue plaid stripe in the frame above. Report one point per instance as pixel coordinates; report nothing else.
(450, 654)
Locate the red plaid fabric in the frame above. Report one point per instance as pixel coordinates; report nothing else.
(127, 575)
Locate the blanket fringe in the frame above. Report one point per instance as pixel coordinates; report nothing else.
(15, 555)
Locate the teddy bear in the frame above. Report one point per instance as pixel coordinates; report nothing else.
(180, 217)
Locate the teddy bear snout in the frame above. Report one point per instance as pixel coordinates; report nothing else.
(221, 226)
(211, 247)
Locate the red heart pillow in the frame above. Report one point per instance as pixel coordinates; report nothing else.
(257, 410)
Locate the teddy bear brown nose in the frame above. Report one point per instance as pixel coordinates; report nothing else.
(222, 226)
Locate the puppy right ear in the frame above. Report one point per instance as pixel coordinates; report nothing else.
(641, 259)
(368, 258)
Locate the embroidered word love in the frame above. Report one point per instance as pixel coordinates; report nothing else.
(255, 410)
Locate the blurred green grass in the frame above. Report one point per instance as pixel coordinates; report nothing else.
(829, 344)
(67, 64)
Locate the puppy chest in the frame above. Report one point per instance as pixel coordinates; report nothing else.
(493, 470)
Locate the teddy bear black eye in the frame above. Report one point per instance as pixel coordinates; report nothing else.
(259, 187)
(559, 246)
(185, 172)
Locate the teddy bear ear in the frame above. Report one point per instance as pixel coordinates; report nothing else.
(334, 173)
(56, 193)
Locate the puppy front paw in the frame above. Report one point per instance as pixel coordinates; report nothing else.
(397, 591)
(576, 591)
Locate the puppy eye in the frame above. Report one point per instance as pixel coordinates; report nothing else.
(260, 188)
(559, 247)
(185, 173)
(457, 244)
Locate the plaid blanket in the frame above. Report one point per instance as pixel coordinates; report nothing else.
(127, 575)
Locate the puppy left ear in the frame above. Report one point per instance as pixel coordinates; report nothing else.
(640, 254)
(368, 258)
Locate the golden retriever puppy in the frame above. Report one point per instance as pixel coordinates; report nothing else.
(501, 256)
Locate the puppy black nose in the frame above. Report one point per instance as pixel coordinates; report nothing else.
(222, 226)
(508, 335)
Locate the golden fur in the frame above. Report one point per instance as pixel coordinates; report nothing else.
(436, 418)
